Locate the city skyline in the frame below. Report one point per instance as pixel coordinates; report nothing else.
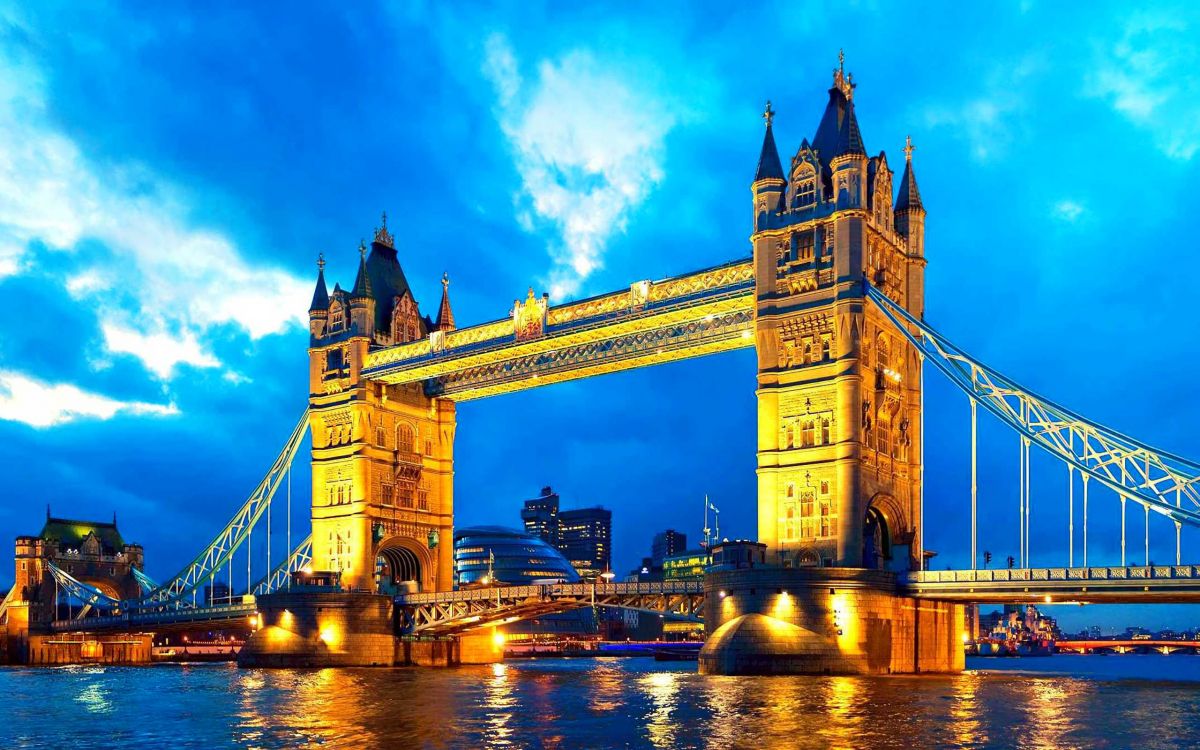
(170, 255)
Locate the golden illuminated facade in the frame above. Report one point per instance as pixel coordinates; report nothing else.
(382, 471)
(839, 394)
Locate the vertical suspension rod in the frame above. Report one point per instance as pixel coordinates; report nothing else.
(1028, 504)
(1147, 509)
(1122, 531)
(1071, 503)
(1085, 504)
(974, 486)
(1021, 493)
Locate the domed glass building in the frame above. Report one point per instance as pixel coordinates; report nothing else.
(497, 555)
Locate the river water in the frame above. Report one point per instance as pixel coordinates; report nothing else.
(1065, 701)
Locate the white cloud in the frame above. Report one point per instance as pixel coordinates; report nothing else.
(159, 352)
(159, 284)
(989, 120)
(39, 404)
(1151, 78)
(1068, 210)
(588, 147)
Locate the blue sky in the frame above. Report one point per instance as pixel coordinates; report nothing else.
(167, 178)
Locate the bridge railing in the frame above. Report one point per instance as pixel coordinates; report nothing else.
(130, 619)
(554, 590)
(1057, 574)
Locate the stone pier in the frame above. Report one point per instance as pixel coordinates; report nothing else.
(307, 628)
(774, 620)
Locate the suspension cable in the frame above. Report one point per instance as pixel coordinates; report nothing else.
(1085, 478)
(1122, 531)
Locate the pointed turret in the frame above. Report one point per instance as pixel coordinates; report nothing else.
(910, 212)
(318, 311)
(769, 186)
(769, 166)
(910, 196)
(445, 318)
(362, 282)
(362, 302)
(320, 300)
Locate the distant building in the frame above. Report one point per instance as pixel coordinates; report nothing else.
(667, 544)
(540, 516)
(586, 539)
(583, 535)
(686, 566)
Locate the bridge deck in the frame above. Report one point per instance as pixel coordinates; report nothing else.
(1106, 585)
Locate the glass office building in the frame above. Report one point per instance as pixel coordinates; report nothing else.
(506, 556)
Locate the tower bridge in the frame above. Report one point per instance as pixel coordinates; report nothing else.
(831, 298)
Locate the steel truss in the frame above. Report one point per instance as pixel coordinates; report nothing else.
(281, 576)
(1157, 480)
(457, 611)
(208, 563)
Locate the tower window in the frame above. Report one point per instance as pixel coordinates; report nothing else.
(806, 192)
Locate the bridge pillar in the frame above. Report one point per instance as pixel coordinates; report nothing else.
(774, 620)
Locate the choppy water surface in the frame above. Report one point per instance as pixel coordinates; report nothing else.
(1063, 701)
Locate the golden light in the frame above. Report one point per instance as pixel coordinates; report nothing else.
(329, 635)
(1047, 598)
(306, 570)
(964, 638)
(746, 334)
(498, 639)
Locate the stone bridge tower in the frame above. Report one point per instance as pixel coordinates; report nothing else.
(382, 470)
(839, 390)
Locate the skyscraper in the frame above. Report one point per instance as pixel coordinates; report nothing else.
(586, 539)
(541, 516)
(665, 544)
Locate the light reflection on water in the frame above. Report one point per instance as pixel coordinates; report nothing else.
(608, 702)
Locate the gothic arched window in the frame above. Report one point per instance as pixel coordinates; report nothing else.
(406, 438)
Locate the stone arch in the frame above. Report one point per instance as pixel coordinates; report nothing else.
(883, 522)
(401, 560)
(808, 558)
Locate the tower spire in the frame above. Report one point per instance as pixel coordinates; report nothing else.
(320, 300)
(769, 166)
(445, 318)
(362, 282)
(910, 196)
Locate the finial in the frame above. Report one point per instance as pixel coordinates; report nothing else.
(841, 81)
(445, 280)
(768, 113)
(320, 261)
(382, 235)
(908, 148)
(362, 249)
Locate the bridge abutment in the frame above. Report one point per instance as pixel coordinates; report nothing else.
(773, 620)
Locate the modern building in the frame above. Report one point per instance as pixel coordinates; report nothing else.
(491, 555)
(667, 544)
(497, 555)
(586, 539)
(583, 535)
(540, 516)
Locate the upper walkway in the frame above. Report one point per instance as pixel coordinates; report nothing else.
(1104, 585)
